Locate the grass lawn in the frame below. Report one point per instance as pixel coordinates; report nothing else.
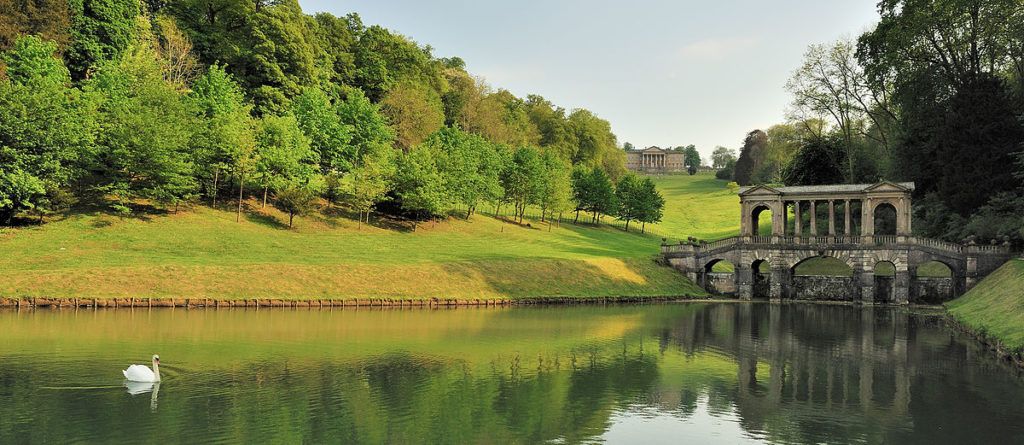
(995, 307)
(203, 252)
(699, 206)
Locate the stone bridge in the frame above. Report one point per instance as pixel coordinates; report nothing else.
(765, 264)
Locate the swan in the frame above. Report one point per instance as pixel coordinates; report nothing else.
(140, 373)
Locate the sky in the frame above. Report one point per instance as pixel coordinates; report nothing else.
(664, 73)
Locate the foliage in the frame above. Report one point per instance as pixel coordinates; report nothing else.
(721, 156)
(522, 179)
(295, 199)
(329, 137)
(419, 184)
(284, 153)
(162, 102)
(691, 159)
(47, 19)
(593, 192)
(147, 129)
(815, 163)
(751, 157)
(101, 31)
(414, 111)
(45, 127)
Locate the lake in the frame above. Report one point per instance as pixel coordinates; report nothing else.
(660, 373)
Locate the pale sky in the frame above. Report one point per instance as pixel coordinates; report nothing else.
(664, 73)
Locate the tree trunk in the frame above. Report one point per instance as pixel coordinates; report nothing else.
(360, 225)
(627, 225)
(291, 218)
(266, 188)
(577, 219)
(216, 176)
(643, 227)
(241, 187)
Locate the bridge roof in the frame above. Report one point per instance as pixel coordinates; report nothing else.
(829, 189)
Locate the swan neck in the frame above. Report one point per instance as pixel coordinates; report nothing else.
(156, 370)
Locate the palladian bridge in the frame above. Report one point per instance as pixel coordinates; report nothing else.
(867, 227)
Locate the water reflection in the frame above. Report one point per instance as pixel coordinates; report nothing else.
(721, 373)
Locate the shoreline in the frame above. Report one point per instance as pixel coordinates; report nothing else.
(188, 303)
(990, 344)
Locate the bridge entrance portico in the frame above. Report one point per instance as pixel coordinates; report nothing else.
(860, 225)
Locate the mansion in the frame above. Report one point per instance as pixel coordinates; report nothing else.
(655, 160)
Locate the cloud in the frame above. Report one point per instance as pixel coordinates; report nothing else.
(715, 48)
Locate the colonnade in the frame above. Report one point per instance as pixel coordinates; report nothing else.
(650, 160)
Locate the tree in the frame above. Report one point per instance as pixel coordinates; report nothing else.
(328, 135)
(470, 165)
(284, 152)
(419, 184)
(593, 192)
(225, 140)
(651, 204)
(832, 84)
(295, 199)
(522, 179)
(816, 163)
(369, 127)
(952, 66)
(47, 19)
(691, 159)
(555, 184)
(269, 47)
(369, 182)
(595, 143)
(628, 146)
(722, 156)
(101, 30)
(751, 157)
(414, 111)
(627, 192)
(46, 128)
(147, 129)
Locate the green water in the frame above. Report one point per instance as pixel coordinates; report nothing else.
(697, 373)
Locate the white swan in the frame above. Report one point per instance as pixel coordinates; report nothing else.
(140, 373)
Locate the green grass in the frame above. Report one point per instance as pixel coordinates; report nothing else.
(699, 206)
(995, 306)
(203, 252)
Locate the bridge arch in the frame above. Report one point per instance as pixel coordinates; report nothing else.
(885, 218)
(799, 257)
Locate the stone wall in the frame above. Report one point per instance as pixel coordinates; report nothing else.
(931, 290)
(720, 283)
(826, 288)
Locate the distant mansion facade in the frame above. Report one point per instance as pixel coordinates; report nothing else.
(655, 160)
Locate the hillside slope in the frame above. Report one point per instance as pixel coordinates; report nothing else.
(995, 307)
(205, 253)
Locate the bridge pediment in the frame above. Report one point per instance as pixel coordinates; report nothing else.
(759, 190)
(889, 187)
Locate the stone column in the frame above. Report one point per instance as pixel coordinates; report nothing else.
(744, 281)
(780, 279)
(814, 218)
(901, 287)
(831, 218)
(867, 221)
(864, 279)
(799, 229)
(846, 208)
(785, 217)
